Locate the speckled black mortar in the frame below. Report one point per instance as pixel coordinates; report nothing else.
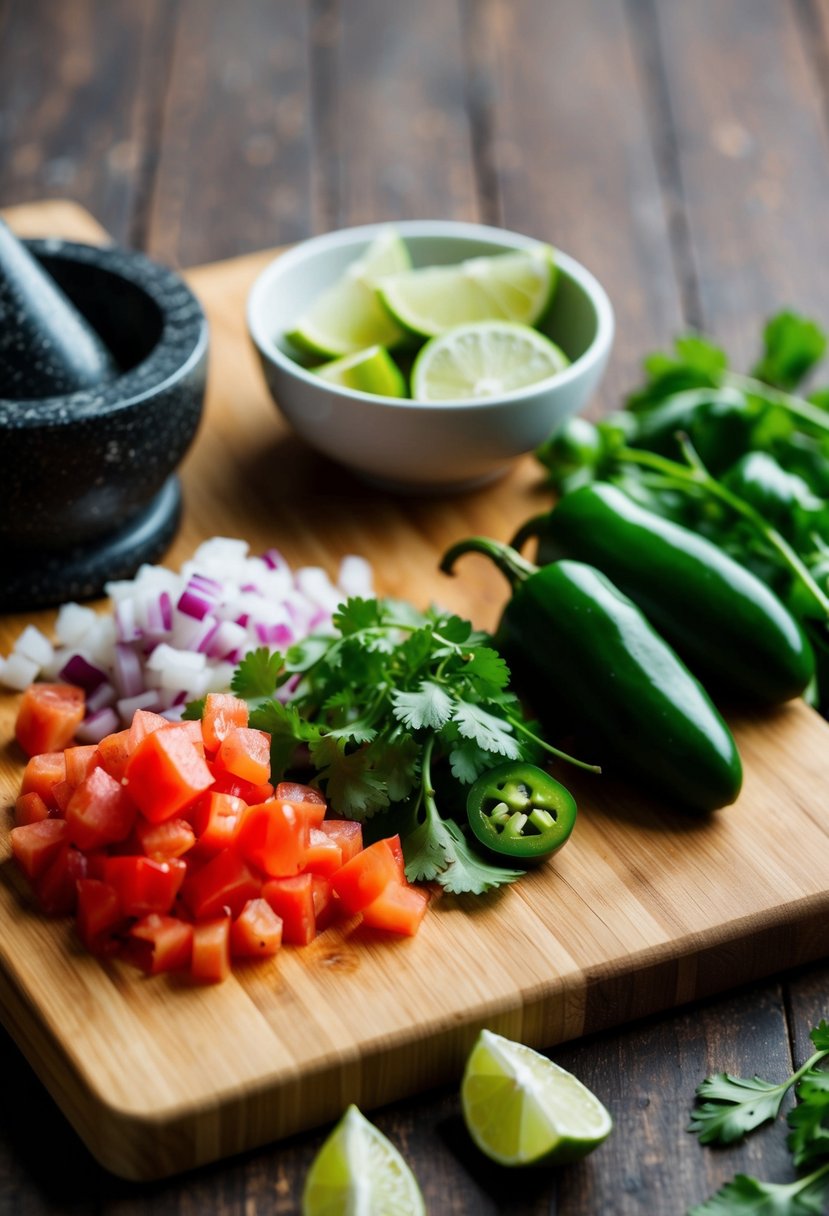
(88, 476)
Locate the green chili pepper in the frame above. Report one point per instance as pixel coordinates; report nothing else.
(521, 812)
(584, 650)
(718, 422)
(729, 627)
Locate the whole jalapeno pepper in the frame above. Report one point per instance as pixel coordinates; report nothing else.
(585, 652)
(728, 626)
(519, 811)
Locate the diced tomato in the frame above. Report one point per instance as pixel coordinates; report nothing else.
(216, 819)
(256, 932)
(30, 808)
(360, 881)
(222, 712)
(161, 841)
(325, 902)
(80, 762)
(292, 791)
(56, 888)
(309, 802)
(292, 899)
(161, 943)
(211, 950)
(323, 854)
(113, 753)
(226, 783)
(347, 833)
(274, 838)
(48, 717)
(165, 774)
(192, 730)
(100, 811)
(223, 882)
(42, 774)
(246, 753)
(35, 845)
(144, 885)
(62, 794)
(399, 908)
(99, 915)
(144, 722)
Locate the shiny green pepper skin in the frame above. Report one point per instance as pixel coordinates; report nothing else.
(729, 627)
(592, 660)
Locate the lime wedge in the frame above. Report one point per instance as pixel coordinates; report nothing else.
(349, 315)
(508, 287)
(521, 1109)
(358, 1172)
(368, 371)
(485, 359)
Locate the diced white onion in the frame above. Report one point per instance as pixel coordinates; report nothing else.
(34, 645)
(19, 672)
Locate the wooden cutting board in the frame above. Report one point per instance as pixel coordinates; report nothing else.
(644, 910)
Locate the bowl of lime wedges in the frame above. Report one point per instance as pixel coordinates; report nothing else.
(428, 355)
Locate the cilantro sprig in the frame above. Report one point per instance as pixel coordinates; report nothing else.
(728, 1108)
(391, 697)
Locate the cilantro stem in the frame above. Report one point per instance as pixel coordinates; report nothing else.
(790, 402)
(517, 724)
(695, 475)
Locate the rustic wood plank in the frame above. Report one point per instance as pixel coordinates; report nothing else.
(234, 168)
(751, 150)
(77, 103)
(574, 163)
(398, 137)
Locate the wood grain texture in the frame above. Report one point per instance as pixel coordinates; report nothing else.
(640, 912)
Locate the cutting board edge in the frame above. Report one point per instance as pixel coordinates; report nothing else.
(147, 1146)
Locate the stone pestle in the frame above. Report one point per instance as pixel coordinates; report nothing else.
(47, 348)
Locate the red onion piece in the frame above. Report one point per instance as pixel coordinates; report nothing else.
(78, 670)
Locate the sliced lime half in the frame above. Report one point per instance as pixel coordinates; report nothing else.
(522, 1109)
(485, 359)
(367, 371)
(507, 286)
(358, 1172)
(349, 315)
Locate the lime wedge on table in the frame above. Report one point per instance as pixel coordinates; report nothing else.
(349, 315)
(522, 1109)
(367, 371)
(485, 359)
(358, 1172)
(508, 286)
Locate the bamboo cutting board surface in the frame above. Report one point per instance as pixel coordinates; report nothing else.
(645, 909)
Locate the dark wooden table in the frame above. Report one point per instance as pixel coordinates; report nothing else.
(680, 149)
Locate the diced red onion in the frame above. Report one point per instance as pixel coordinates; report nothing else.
(171, 637)
(128, 670)
(78, 670)
(96, 726)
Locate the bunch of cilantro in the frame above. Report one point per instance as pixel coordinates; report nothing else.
(728, 1108)
(383, 708)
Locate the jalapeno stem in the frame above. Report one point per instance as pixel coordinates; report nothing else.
(512, 565)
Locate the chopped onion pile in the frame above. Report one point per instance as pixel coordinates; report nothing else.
(171, 638)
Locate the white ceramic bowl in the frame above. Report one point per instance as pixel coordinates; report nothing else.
(415, 444)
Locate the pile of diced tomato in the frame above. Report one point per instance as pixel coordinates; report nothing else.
(171, 847)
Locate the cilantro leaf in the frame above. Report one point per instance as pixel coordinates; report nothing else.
(437, 850)
(820, 1036)
(487, 671)
(737, 1105)
(257, 674)
(490, 733)
(746, 1196)
(356, 615)
(809, 1138)
(467, 761)
(353, 789)
(399, 766)
(792, 345)
(429, 706)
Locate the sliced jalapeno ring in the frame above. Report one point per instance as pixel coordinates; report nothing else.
(520, 811)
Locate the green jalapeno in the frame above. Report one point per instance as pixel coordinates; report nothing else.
(521, 812)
